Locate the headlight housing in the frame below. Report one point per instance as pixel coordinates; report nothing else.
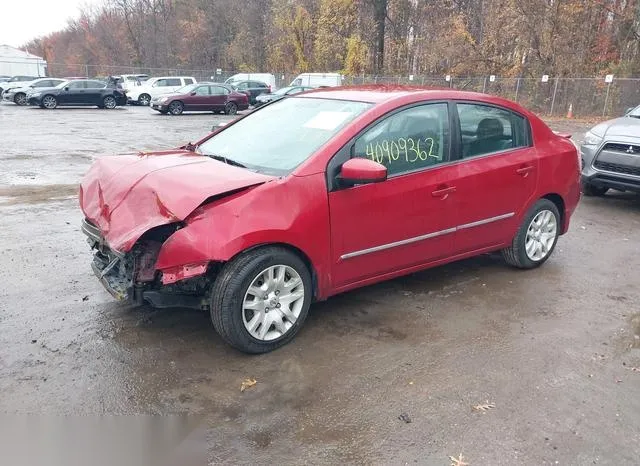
(592, 139)
(35, 94)
(163, 99)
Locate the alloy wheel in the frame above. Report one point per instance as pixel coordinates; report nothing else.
(541, 235)
(49, 102)
(273, 302)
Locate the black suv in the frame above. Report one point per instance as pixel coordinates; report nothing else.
(252, 88)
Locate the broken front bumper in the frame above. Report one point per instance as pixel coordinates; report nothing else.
(113, 268)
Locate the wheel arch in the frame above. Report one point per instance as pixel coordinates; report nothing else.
(294, 250)
(561, 205)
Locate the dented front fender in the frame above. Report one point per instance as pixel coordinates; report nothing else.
(292, 211)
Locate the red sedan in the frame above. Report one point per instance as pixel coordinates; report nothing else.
(201, 97)
(335, 189)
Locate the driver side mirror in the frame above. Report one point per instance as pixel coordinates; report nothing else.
(628, 110)
(361, 171)
(66, 88)
(192, 93)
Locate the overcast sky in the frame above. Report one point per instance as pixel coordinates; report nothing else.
(22, 20)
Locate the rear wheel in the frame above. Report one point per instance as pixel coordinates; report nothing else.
(49, 102)
(176, 108)
(20, 99)
(144, 99)
(260, 300)
(109, 102)
(536, 238)
(231, 108)
(591, 190)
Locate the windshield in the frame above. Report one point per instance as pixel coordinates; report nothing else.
(635, 113)
(284, 134)
(186, 89)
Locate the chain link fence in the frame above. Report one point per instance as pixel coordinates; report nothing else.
(585, 97)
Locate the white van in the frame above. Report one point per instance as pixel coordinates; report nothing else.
(154, 87)
(318, 79)
(266, 78)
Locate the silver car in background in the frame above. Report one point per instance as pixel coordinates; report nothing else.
(611, 155)
(18, 95)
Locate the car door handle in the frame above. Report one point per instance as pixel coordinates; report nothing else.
(524, 171)
(443, 191)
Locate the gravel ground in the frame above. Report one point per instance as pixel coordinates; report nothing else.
(555, 351)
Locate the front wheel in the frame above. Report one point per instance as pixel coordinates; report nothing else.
(176, 108)
(260, 300)
(49, 102)
(536, 238)
(231, 108)
(20, 99)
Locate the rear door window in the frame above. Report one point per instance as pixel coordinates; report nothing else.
(202, 90)
(219, 90)
(188, 81)
(485, 129)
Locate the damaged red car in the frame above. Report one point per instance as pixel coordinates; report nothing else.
(320, 193)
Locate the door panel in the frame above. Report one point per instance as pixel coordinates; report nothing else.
(218, 98)
(497, 175)
(408, 219)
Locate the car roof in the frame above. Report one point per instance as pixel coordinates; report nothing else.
(380, 93)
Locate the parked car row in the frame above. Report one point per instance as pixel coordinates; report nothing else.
(165, 94)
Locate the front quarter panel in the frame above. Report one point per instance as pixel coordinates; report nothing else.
(291, 211)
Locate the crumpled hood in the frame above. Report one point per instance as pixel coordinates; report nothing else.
(127, 195)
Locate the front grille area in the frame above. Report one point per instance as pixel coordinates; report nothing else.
(617, 168)
(617, 147)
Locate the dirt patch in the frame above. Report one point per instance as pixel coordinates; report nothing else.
(23, 194)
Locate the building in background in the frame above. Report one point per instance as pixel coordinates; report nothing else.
(14, 62)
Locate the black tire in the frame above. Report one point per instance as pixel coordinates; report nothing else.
(164, 112)
(593, 191)
(176, 107)
(231, 108)
(20, 99)
(516, 254)
(109, 102)
(144, 99)
(49, 102)
(230, 287)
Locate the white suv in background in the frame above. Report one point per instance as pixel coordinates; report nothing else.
(154, 87)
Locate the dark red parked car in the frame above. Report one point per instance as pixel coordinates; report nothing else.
(201, 97)
(334, 189)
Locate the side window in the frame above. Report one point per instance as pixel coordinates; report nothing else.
(174, 82)
(43, 84)
(485, 130)
(242, 85)
(297, 82)
(202, 90)
(219, 90)
(160, 83)
(408, 140)
(188, 81)
(76, 85)
(96, 85)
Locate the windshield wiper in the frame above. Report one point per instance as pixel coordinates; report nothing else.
(222, 158)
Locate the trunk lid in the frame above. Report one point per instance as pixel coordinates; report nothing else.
(127, 195)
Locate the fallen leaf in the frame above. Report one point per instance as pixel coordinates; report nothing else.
(405, 418)
(247, 383)
(85, 298)
(459, 461)
(484, 407)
